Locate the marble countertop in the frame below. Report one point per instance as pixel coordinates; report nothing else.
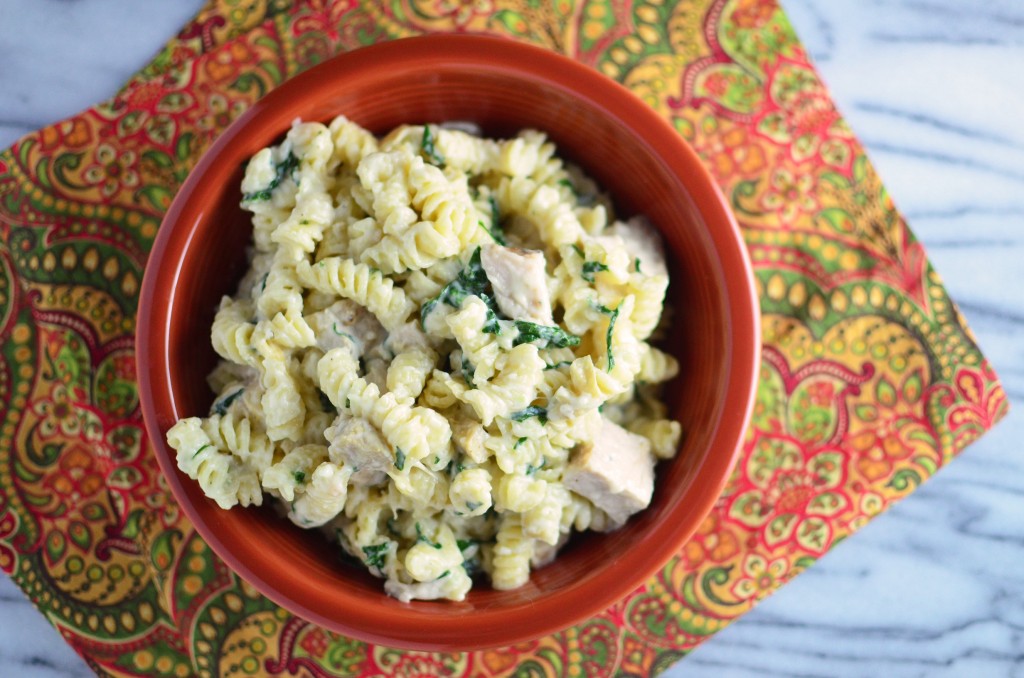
(935, 90)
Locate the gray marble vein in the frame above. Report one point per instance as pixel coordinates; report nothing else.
(29, 646)
(935, 90)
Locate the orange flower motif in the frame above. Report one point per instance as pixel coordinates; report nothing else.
(498, 661)
(891, 427)
(729, 152)
(79, 476)
(877, 449)
(753, 13)
(73, 133)
(637, 657)
(710, 543)
(226, 62)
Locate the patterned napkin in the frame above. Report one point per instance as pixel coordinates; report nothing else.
(870, 380)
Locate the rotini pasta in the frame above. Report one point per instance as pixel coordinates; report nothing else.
(439, 354)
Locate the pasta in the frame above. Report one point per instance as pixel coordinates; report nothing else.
(439, 354)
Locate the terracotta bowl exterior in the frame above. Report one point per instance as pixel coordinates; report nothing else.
(630, 151)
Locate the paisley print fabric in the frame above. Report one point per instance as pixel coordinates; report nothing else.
(870, 380)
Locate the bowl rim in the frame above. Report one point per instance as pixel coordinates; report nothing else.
(571, 604)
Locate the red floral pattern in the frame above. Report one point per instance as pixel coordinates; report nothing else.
(870, 380)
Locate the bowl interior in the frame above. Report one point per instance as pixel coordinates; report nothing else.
(631, 154)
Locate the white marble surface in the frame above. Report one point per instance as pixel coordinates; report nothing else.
(935, 89)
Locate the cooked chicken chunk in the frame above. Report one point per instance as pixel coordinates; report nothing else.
(407, 337)
(469, 438)
(544, 554)
(519, 282)
(343, 323)
(452, 586)
(616, 472)
(361, 447)
(642, 242)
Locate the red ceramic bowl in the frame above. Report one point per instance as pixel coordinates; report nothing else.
(631, 152)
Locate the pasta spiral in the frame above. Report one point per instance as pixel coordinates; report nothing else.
(361, 284)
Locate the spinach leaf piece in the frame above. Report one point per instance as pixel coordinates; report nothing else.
(532, 411)
(375, 554)
(471, 281)
(422, 538)
(592, 267)
(221, 406)
(548, 335)
(429, 147)
(282, 171)
(613, 315)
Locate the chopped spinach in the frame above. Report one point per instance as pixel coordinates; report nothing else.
(497, 235)
(201, 449)
(495, 214)
(443, 575)
(300, 477)
(422, 538)
(518, 443)
(636, 264)
(592, 267)
(472, 505)
(468, 371)
(559, 365)
(375, 554)
(471, 281)
(549, 336)
(494, 233)
(282, 170)
(472, 567)
(589, 267)
(531, 469)
(429, 147)
(221, 406)
(342, 333)
(582, 199)
(533, 411)
(613, 315)
(491, 325)
(399, 459)
(464, 544)
(325, 403)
